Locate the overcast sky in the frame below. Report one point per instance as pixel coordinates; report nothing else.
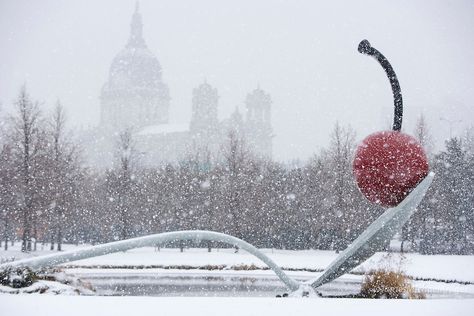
(304, 53)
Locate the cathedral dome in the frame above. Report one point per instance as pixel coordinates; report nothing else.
(134, 95)
(135, 66)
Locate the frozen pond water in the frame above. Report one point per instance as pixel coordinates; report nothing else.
(236, 285)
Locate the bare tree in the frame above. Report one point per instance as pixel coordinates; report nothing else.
(200, 163)
(235, 159)
(468, 141)
(342, 209)
(8, 189)
(120, 182)
(423, 135)
(26, 129)
(6, 182)
(63, 169)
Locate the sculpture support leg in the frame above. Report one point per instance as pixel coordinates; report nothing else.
(378, 234)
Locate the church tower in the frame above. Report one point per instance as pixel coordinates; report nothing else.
(258, 126)
(204, 126)
(204, 115)
(135, 95)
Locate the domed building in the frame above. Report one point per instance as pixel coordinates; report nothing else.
(135, 99)
(135, 95)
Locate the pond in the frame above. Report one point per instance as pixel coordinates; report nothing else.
(220, 284)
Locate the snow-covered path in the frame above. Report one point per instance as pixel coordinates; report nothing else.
(48, 305)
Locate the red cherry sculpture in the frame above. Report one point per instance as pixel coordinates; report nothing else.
(388, 165)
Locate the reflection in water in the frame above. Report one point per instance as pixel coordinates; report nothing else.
(230, 285)
(199, 285)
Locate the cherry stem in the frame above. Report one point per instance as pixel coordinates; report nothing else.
(365, 48)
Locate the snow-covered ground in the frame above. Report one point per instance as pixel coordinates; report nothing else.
(439, 267)
(47, 305)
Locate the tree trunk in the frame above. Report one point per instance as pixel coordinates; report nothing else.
(59, 232)
(60, 237)
(124, 224)
(35, 233)
(51, 237)
(26, 234)
(5, 234)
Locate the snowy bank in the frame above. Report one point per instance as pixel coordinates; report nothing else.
(78, 306)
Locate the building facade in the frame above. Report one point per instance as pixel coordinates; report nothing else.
(136, 98)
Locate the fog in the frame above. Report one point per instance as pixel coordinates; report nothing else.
(304, 53)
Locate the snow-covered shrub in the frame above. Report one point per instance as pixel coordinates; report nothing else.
(388, 284)
(17, 277)
(247, 267)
